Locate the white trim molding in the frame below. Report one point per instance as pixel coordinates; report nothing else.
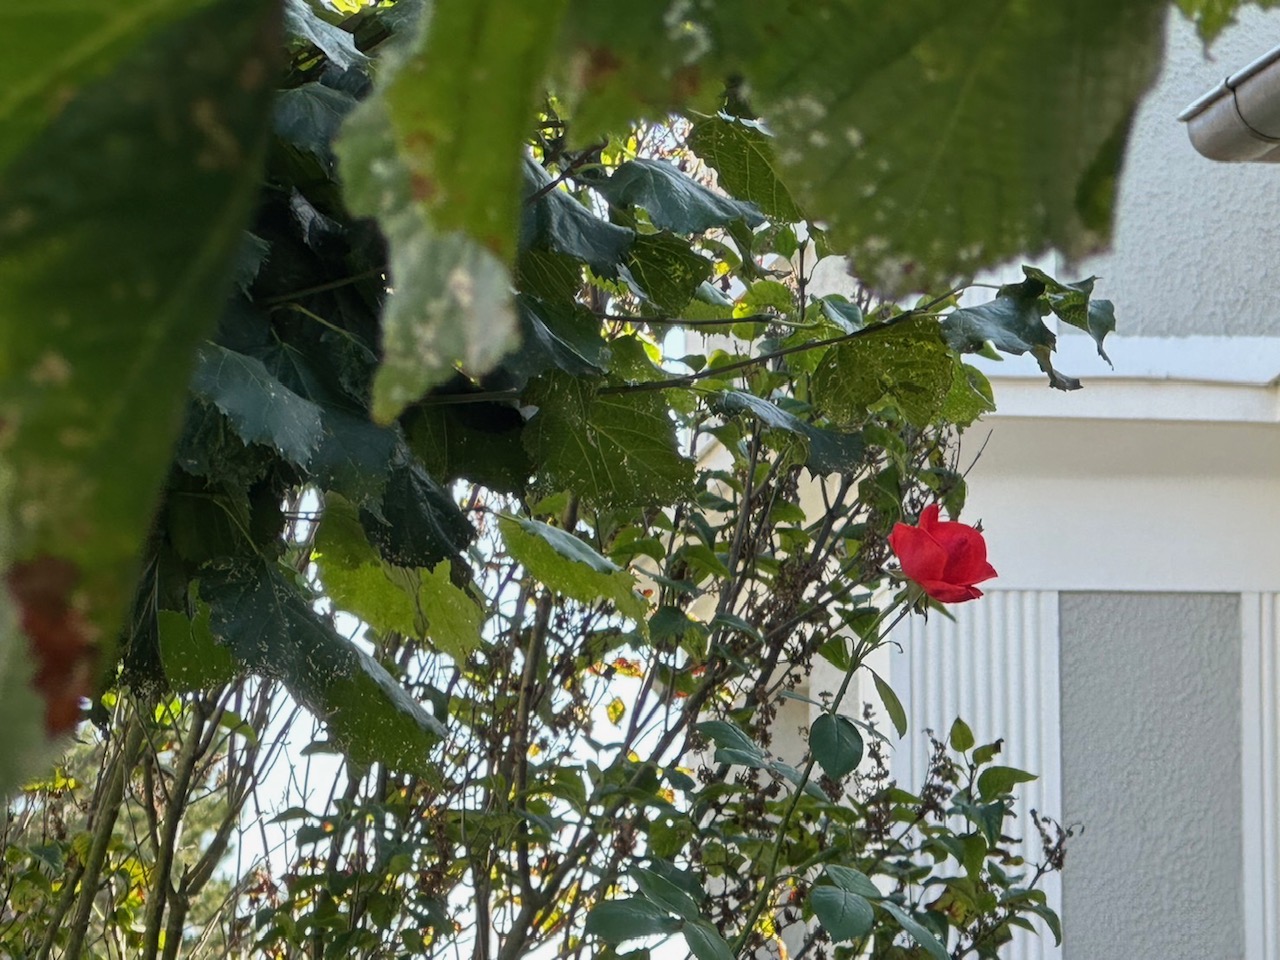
(1260, 774)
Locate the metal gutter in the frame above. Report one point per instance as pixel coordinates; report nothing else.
(1239, 120)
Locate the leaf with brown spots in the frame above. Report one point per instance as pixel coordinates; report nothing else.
(60, 638)
(120, 223)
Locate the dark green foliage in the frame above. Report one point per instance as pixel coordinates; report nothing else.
(672, 200)
(458, 389)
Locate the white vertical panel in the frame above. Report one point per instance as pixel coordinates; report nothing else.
(996, 666)
(1260, 731)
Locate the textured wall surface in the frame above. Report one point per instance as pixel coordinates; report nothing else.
(1197, 243)
(1151, 768)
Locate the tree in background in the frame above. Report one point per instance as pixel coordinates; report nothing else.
(491, 327)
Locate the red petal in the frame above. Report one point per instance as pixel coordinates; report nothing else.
(921, 556)
(950, 592)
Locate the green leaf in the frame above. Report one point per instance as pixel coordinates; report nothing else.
(743, 157)
(570, 566)
(417, 603)
(1072, 303)
(353, 458)
(836, 745)
(271, 626)
(1213, 16)
(550, 276)
(905, 363)
(451, 297)
(120, 225)
(611, 449)
(419, 523)
(306, 26)
(843, 914)
(987, 752)
(845, 315)
(666, 894)
(476, 441)
(309, 117)
(192, 659)
(928, 942)
(855, 881)
(561, 336)
(761, 297)
(667, 270)
(355, 576)
(892, 705)
(947, 141)
(828, 451)
(943, 144)
(729, 736)
(558, 223)
(54, 48)
(960, 737)
(453, 619)
(1051, 919)
(614, 921)
(997, 781)
(705, 941)
(462, 106)
(262, 408)
(969, 398)
(673, 200)
(1011, 323)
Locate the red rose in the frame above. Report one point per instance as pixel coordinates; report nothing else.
(944, 557)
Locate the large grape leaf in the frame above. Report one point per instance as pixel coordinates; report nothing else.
(572, 567)
(743, 156)
(556, 222)
(417, 603)
(271, 626)
(309, 117)
(120, 224)
(673, 199)
(354, 457)
(667, 270)
(934, 138)
(476, 441)
(612, 449)
(419, 524)
(954, 136)
(262, 408)
(906, 363)
(557, 335)
(354, 575)
(50, 49)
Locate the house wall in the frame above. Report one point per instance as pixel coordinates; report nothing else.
(1151, 771)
